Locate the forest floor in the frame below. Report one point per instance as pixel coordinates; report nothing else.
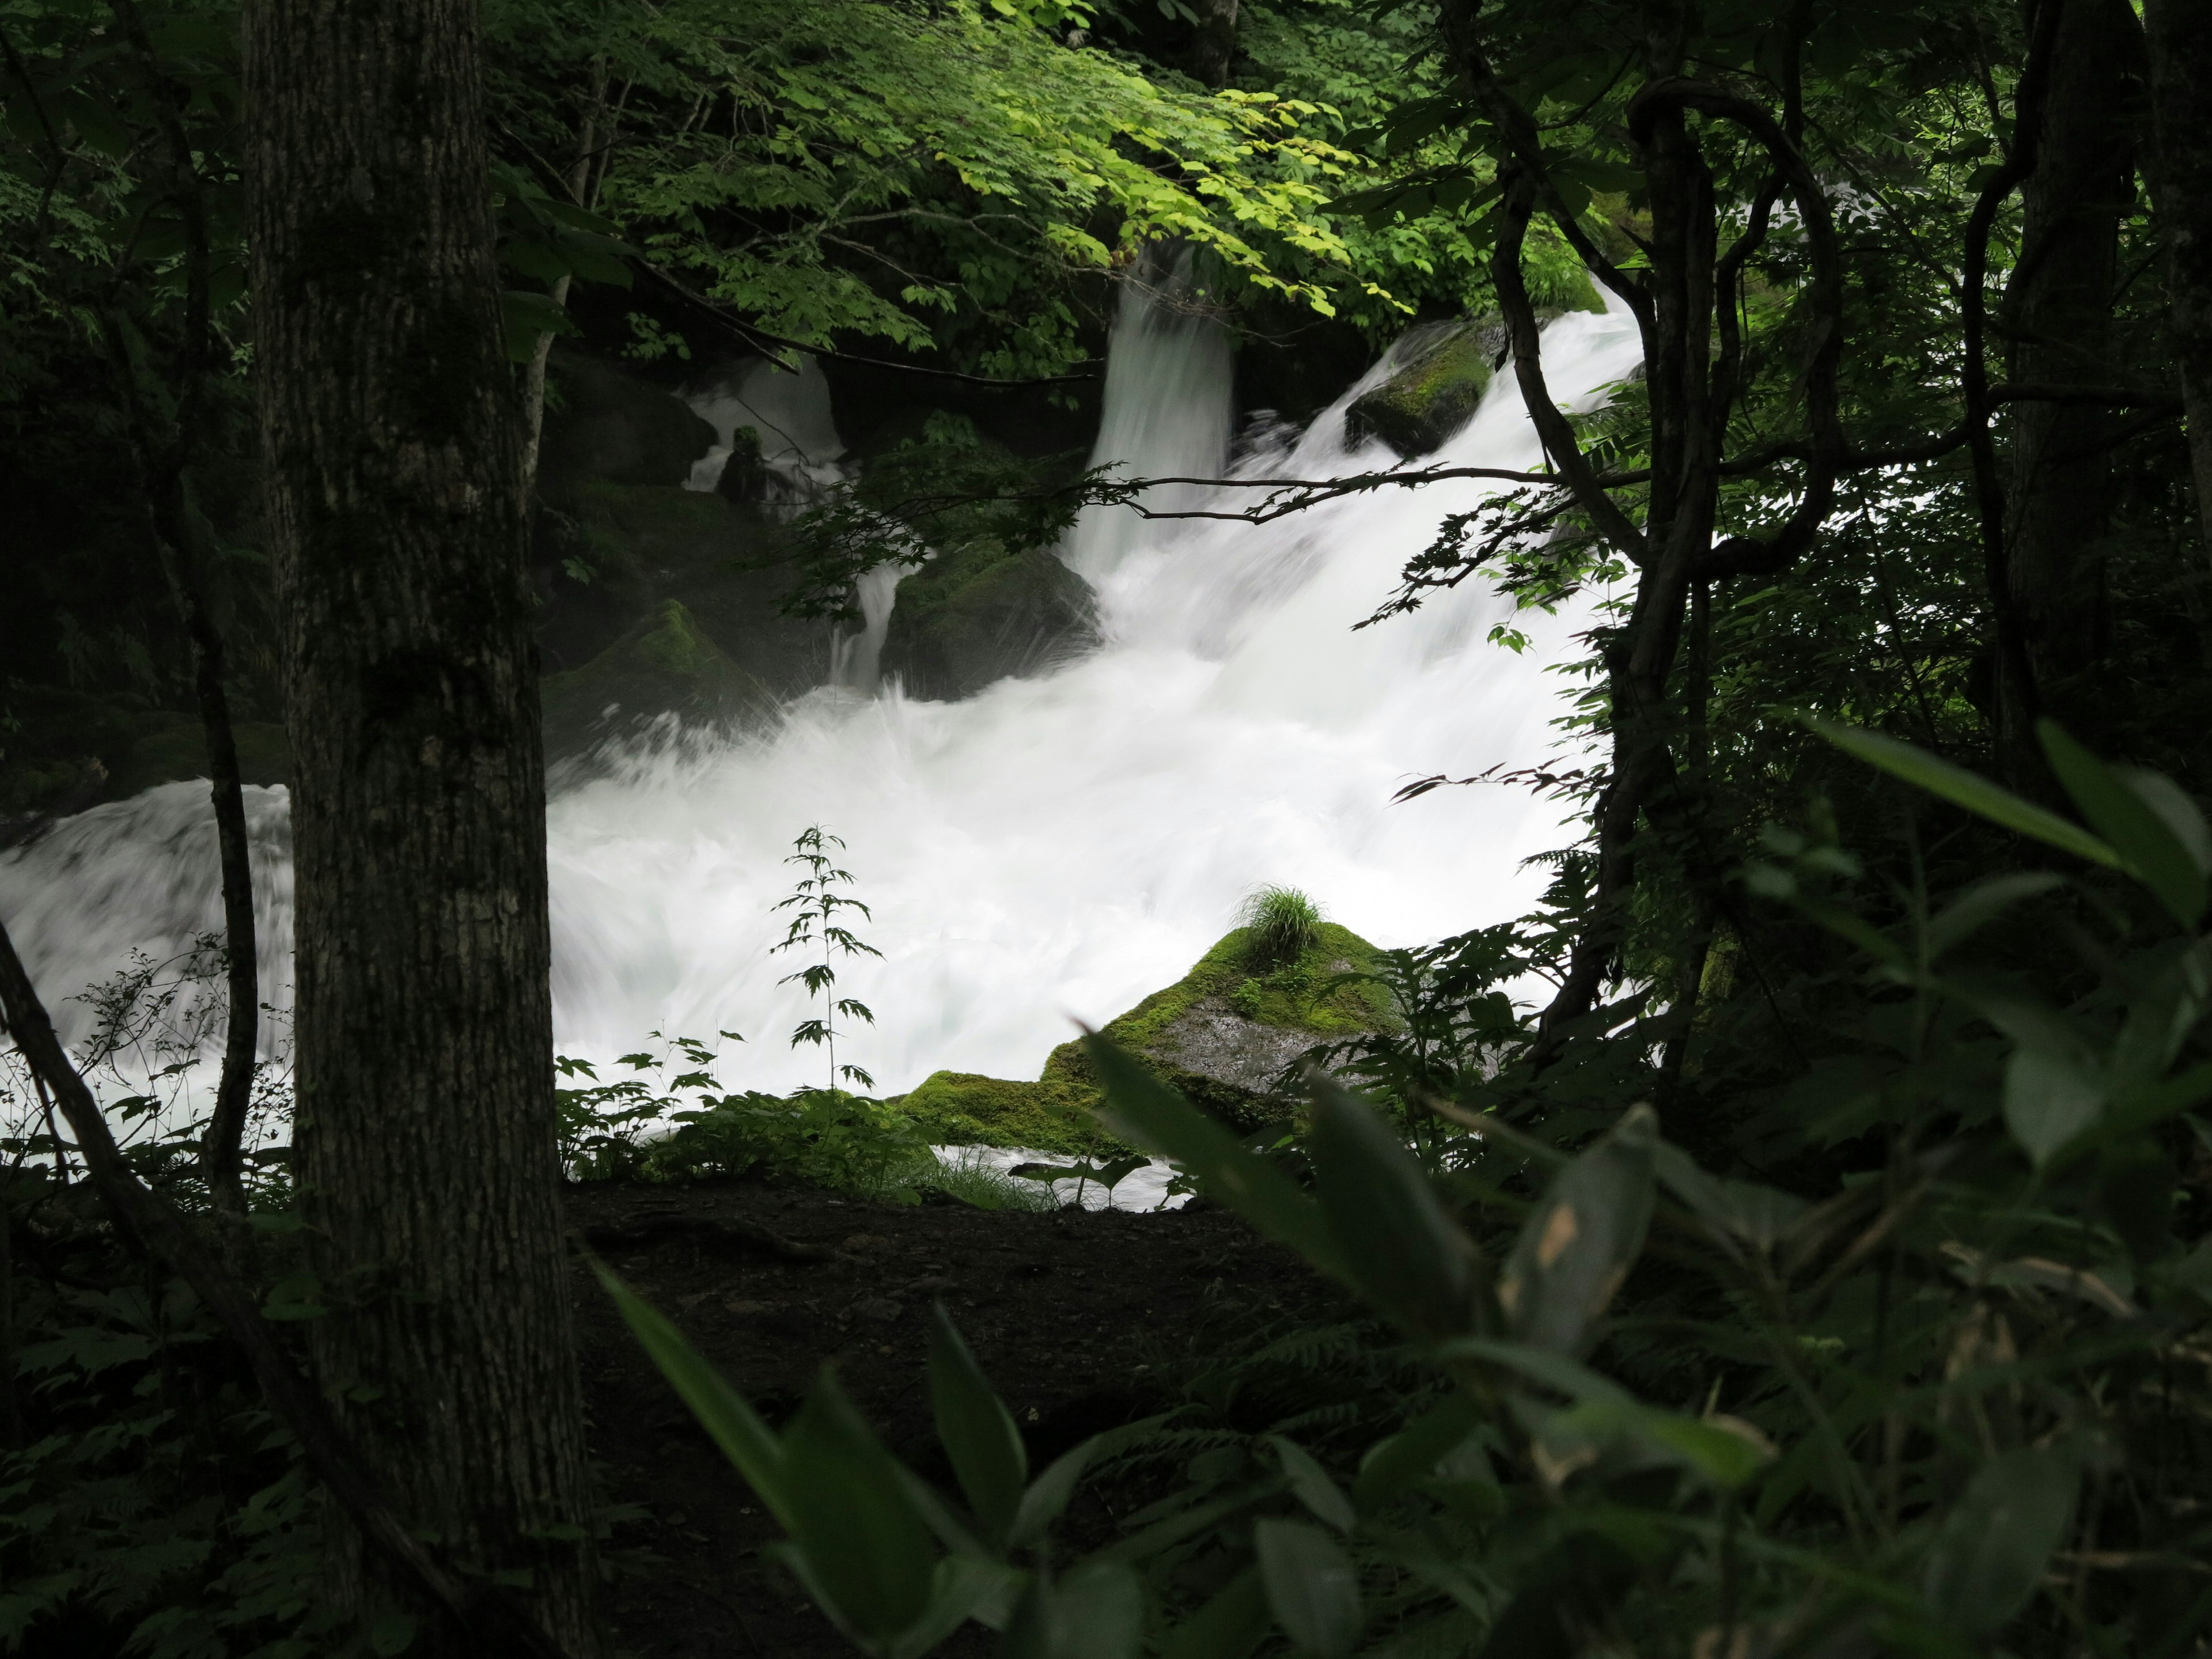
(1082, 1320)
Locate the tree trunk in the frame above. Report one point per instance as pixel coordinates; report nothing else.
(2180, 40)
(2058, 308)
(424, 1145)
(1213, 48)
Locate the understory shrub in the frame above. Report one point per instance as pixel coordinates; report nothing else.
(1903, 1353)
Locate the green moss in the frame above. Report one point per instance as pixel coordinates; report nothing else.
(663, 664)
(1420, 406)
(960, 1109)
(982, 612)
(629, 527)
(1294, 998)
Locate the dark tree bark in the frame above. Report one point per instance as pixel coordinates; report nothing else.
(2180, 41)
(1215, 48)
(424, 1143)
(2058, 308)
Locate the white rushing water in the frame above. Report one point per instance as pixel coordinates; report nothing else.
(1051, 848)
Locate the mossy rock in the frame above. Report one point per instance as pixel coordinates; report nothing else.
(1226, 1030)
(175, 748)
(633, 529)
(959, 1109)
(983, 614)
(723, 562)
(1448, 367)
(64, 750)
(663, 664)
(1447, 370)
(602, 423)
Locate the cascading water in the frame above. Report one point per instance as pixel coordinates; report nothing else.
(1052, 848)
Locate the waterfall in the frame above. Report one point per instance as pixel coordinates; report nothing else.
(1049, 849)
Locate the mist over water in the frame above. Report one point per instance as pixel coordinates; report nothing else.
(1052, 848)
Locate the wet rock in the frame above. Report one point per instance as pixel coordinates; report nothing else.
(1444, 370)
(983, 614)
(1225, 1032)
(1447, 367)
(633, 548)
(663, 666)
(602, 422)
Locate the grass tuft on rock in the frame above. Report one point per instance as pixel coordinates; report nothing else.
(1281, 925)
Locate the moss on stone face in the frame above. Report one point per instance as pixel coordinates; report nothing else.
(959, 1109)
(1219, 1034)
(1224, 1031)
(1435, 394)
(663, 664)
(981, 614)
(1448, 367)
(176, 748)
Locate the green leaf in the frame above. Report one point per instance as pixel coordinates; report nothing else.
(2153, 853)
(1577, 1246)
(1964, 788)
(1310, 1485)
(978, 1430)
(1048, 1495)
(525, 316)
(961, 1588)
(867, 1551)
(1094, 1611)
(1227, 1627)
(1413, 1453)
(2049, 1099)
(1141, 1108)
(1981, 904)
(1991, 1548)
(746, 1441)
(1312, 1587)
(1759, 1215)
(1407, 1257)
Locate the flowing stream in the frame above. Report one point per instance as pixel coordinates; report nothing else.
(1050, 850)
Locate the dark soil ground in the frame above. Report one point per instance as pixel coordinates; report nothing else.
(1082, 1320)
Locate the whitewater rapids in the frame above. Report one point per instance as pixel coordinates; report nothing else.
(1050, 850)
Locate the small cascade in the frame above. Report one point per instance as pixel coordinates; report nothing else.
(1052, 848)
(789, 412)
(1170, 378)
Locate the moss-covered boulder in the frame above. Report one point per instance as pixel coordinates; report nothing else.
(663, 664)
(62, 749)
(982, 614)
(959, 1109)
(1444, 370)
(602, 422)
(1224, 1032)
(636, 547)
(174, 747)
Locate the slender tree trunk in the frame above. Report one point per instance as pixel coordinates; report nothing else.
(424, 1145)
(2058, 308)
(2180, 40)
